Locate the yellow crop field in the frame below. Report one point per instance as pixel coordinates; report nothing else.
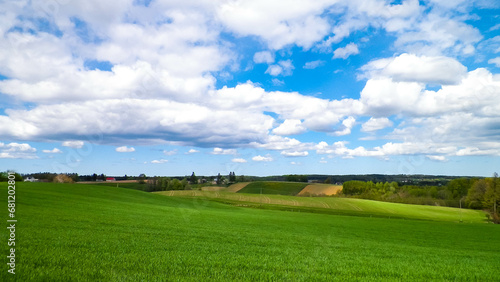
(320, 189)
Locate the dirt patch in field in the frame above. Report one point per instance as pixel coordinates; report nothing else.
(213, 188)
(320, 189)
(237, 187)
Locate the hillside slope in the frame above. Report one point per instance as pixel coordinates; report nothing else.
(96, 233)
(274, 188)
(336, 205)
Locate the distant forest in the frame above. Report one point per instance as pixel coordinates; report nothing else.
(401, 179)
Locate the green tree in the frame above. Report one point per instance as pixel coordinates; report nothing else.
(232, 177)
(75, 177)
(459, 187)
(185, 184)
(475, 195)
(353, 187)
(328, 180)
(142, 178)
(193, 179)
(492, 197)
(175, 184)
(218, 180)
(4, 177)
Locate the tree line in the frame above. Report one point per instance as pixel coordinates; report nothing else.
(473, 193)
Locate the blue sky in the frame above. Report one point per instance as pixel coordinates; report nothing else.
(255, 87)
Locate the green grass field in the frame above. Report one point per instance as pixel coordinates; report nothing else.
(85, 232)
(276, 188)
(336, 206)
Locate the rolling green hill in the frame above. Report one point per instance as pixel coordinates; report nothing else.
(97, 233)
(335, 205)
(276, 188)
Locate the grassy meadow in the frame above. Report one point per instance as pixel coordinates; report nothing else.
(70, 232)
(270, 187)
(336, 206)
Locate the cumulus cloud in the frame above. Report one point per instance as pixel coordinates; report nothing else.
(345, 52)
(220, 151)
(278, 23)
(260, 158)
(162, 85)
(374, 124)
(17, 151)
(274, 70)
(189, 123)
(238, 160)
(169, 153)
(313, 64)
(125, 149)
(295, 153)
(437, 158)
(284, 68)
(73, 144)
(421, 69)
(53, 151)
(160, 161)
(192, 151)
(347, 125)
(438, 34)
(495, 61)
(263, 57)
(290, 127)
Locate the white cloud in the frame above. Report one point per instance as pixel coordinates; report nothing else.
(239, 160)
(162, 85)
(274, 142)
(347, 125)
(437, 158)
(313, 64)
(73, 144)
(295, 153)
(274, 70)
(125, 149)
(495, 61)
(476, 94)
(17, 151)
(495, 27)
(437, 34)
(434, 151)
(284, 68)
(220, 151)
(260, 158)
(345, 52)
(161, 161)
(190, 123)
(386, 97)
(278, 23)
(374, 124)
(169, 153)
(192, 151)
(53, 151)
(263, 57)
(290, 127)
(422, 69)
(277, 82)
